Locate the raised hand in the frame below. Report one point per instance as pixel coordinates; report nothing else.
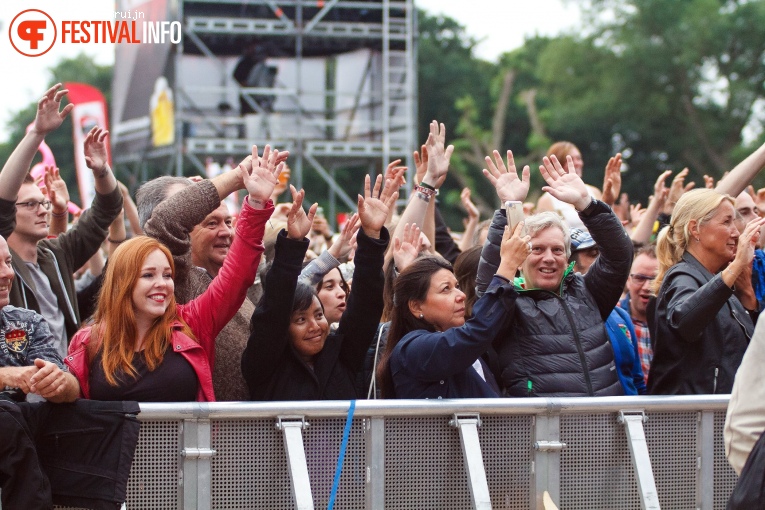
(676, 190)
(396, 173)
(565, 185)
(96, 156)
(406, 249)
(261, 176)
(612, 180)
(505, 178)
(747, 242)
(48, 116)
(513, 251)
(374, 206)
(342, 246)
(298, 222)
(470, 207)
(636, 213)
(56, 189)
(420, 164)
(438, 155)
(709, 182)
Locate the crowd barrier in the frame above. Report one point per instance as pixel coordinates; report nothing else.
(587, 453)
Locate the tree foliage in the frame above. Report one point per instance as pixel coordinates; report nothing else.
(669, 83)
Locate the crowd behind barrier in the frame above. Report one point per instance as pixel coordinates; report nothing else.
(183, 311)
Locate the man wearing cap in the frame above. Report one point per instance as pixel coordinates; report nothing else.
(619, 326)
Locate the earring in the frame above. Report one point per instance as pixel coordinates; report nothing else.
(422, 316)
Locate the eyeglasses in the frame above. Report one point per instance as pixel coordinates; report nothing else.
(32, 205)
(641, 278)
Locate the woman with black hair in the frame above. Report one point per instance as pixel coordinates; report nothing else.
(291, 354)
(432, 352)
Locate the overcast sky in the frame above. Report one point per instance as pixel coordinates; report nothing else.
(500, 25)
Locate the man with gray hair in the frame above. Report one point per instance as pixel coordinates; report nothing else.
(557, 343)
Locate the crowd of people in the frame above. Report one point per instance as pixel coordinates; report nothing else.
(576, 295)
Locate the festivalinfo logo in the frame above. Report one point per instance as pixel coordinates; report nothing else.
(34, 32)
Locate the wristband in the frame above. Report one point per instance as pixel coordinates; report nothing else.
(115, 242)
(60, 215)
(428, 191)
(424, 184)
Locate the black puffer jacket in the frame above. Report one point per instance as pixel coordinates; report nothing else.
(557, 345)
(699, 331)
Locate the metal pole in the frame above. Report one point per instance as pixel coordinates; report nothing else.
(292, 431)
(641, 460)
(471, 453)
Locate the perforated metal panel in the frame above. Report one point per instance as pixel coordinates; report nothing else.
(671, 439)
(423, 465)
(249, 469)
(153, 482)
(322, 443)
(596, 470)
(506, 448)
(725, 478)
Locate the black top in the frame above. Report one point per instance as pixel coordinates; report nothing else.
(174, 380)
(270, 365)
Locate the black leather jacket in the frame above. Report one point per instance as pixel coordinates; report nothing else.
(699, 332)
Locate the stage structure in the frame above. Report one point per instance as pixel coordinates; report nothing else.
(333, 81)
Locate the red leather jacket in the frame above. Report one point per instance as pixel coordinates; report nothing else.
(207, 314)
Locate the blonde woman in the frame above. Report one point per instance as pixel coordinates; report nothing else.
(705, 305)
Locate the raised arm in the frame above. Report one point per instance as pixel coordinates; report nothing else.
(365, 302)
(643, 230)
(742, 174)
(607, 276)
(48, 118)
(271, 319)
(215, 307)
(58, 194)
(509, 188)
(438, 157)
(338, 253)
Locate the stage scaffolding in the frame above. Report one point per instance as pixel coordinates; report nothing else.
(337, 87)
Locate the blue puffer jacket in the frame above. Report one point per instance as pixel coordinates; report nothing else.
(621, 332)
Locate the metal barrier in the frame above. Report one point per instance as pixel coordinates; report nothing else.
(587, 453)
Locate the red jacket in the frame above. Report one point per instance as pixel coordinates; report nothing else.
(208, 313)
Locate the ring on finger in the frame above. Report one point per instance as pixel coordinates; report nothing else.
(529, 245)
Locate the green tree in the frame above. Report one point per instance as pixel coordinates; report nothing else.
(673, 83)
(81, 69)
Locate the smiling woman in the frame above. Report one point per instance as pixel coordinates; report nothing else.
(142, 345)
(705, 305)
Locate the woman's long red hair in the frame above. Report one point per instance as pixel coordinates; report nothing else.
(114, 332)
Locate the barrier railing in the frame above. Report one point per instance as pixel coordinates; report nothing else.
(587, 453)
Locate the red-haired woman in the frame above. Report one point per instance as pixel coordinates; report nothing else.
(143, 346)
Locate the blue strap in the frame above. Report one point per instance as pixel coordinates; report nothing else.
(341, 455)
